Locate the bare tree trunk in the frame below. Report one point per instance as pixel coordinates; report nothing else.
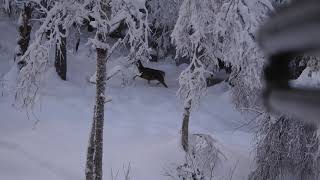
(100, 100)
(24, 33)
(90, 151)
(9, 9)
(61, 56)
(185, 127)
(95, 148)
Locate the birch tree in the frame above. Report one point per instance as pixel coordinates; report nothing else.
(103, 12)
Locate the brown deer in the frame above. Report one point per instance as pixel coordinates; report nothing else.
(150, 74)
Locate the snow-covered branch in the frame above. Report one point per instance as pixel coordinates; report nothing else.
(135, 16)
(193, 38)
(62, 15)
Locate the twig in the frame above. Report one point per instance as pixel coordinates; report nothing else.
(248, 122)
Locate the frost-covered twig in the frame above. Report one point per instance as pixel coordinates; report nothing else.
(126, 173)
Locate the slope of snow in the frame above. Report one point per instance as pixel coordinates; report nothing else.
(141, 127)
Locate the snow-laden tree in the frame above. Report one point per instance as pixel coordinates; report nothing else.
(101, 13)
(163, 15)
(25, 8)
(57, 18)
(135, 16)
(285, 147)
(194, 39)
(62, 15)
(239, 23)
(208, 32)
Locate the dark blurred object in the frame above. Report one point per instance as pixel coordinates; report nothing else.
(293, 31)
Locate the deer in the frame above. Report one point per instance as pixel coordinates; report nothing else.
(150, 74)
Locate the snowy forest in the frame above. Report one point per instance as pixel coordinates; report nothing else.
(146, 90)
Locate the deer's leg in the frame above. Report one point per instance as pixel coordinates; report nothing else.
(161, 80)
(134, 78)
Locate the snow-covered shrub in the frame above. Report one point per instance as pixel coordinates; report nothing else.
(287, 148)
(200, 161)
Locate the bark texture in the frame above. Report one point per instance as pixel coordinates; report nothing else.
(61, 56)
(100, 100)
(185, 127)
(95, 148)
(90, 150)
(24, 33)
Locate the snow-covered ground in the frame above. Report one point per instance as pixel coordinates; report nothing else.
(142, 124)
